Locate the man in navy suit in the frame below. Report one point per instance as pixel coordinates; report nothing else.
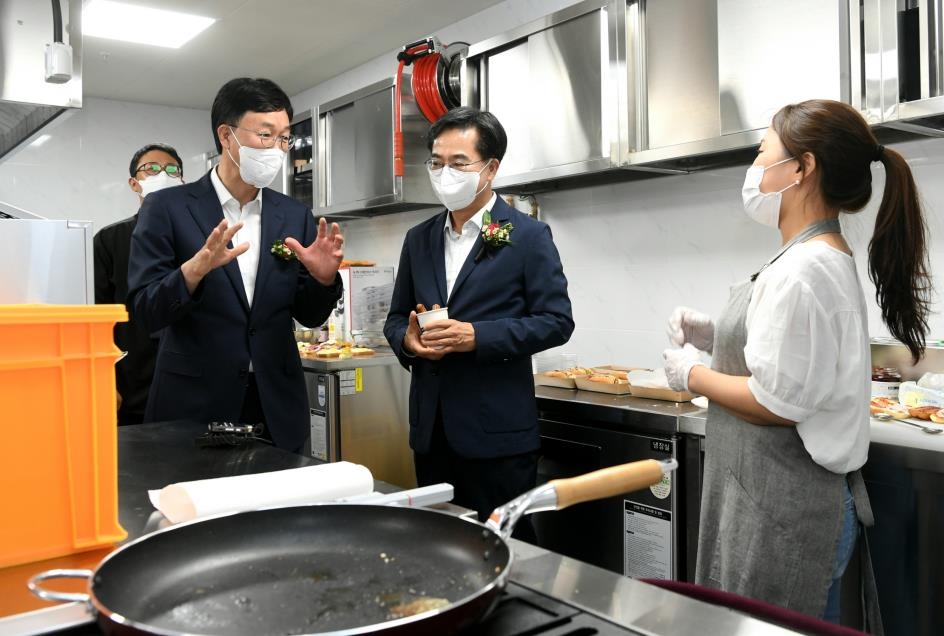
(473, 414)
(154, 167)
(203, 269)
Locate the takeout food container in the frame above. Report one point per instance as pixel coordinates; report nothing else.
(542, 379)
(622, 387)
(562, 383)
(661, 394)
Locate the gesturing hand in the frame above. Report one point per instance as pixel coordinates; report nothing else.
(323, 257)
(214, 253)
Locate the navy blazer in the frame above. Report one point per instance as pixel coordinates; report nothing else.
(516, 298)
(209, 338)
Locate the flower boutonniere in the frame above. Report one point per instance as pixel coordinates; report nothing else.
(495, 234)
(281, 250)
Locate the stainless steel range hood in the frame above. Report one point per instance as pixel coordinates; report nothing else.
(27, 101)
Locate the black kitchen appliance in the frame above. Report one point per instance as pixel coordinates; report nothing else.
(651, 533)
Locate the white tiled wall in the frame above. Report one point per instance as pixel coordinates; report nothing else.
(81, 171)
(632, 251)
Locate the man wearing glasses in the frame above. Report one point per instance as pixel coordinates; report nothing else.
(204, 268)
(153, 167)
(473, 415)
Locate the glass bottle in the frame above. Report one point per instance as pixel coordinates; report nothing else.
(885, 382)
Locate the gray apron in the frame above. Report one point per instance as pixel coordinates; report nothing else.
(770, 516)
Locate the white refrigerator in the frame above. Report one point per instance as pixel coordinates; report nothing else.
(44, 260)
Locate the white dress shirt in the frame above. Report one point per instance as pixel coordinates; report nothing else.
(808, 351)
(251, 232)
(459, 244)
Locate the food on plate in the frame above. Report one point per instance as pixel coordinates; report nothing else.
(332, 350)
(607, 378)
(571, 372)
(888, 406)
(307, 350)
(923, 412)
(938, 417)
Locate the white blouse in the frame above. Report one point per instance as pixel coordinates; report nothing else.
(808, 351)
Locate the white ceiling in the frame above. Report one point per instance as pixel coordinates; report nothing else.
(296, 43)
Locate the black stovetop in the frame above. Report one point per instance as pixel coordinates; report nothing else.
(519, 612)
(523, 612)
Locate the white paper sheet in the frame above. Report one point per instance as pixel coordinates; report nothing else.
(297, 486)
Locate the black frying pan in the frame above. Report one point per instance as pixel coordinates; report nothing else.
(323, 569)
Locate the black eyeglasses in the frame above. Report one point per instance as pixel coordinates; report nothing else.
(268, 140)
(435, 165)
(153, 168)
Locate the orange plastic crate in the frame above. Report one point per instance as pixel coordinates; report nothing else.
(58, 455)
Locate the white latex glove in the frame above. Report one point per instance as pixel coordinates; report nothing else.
(679, 364)
(687, 325)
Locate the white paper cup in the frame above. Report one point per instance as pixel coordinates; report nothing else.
(433, 314)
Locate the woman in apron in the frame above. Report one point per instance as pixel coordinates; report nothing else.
(789, 383)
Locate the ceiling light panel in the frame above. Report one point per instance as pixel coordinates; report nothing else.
(141, 25)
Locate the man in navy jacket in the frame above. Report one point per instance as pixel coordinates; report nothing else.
(473, 414)
(203, 269)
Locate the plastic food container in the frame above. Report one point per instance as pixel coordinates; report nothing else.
(58, 459)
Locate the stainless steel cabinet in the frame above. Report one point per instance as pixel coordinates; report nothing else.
(298, 173)
(710, 74)
(761, 67)
(354, 158)
(902, 47)
(553, 88)
(652, 86)
(677, 85)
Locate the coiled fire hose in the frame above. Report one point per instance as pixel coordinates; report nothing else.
(425, 60)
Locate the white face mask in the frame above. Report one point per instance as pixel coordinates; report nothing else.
(158, 182)
(763, 207)
(257, 166)
(454, 188)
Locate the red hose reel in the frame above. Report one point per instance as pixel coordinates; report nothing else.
(434, 83)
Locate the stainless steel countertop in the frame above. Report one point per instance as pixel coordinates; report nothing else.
(685, 417)
(381, 358)
(643, 608)
(153, 455)
(658, 415)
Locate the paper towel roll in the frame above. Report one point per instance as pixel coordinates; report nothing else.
(297, 486)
